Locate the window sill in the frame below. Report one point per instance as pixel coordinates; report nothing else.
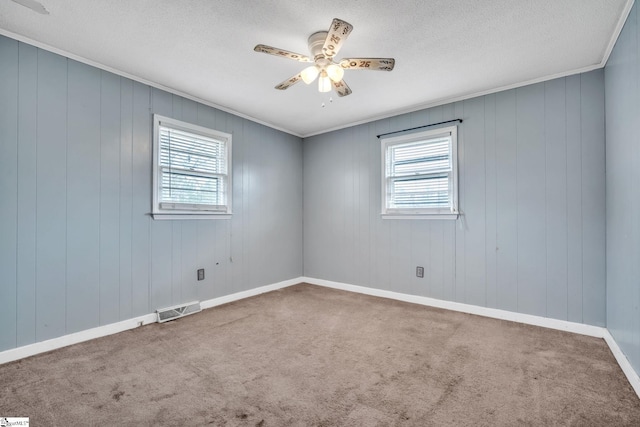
(165, 216)
(448, 216)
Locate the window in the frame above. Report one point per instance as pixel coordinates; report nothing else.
(191, 171)
(419, 178)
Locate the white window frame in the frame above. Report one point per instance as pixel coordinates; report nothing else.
(451, 212)
(161, 210)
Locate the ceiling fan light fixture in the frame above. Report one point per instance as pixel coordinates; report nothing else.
(324, 82)
(335, 72)
(309, 74)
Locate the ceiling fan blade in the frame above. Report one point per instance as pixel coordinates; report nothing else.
(341, 87)
(384, 64)
(336, 36)
(33, 5)
(289, 82)
(281, 52)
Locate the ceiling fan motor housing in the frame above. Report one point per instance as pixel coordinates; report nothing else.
(316, 42)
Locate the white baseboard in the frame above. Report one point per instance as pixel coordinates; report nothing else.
(250, 293)
(562, 325)
(113, 328)
(102, 331)
(624, 363)
(75, 338)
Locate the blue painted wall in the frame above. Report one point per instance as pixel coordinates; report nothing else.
(531, 186)
(622, 83)
(78, 248)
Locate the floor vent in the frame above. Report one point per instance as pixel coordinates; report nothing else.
(178, 311)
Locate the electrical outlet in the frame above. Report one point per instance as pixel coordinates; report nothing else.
(201, 274)
(419, 271)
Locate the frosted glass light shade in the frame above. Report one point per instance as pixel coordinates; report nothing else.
(324, 83)
(335, 72)
(309, 74)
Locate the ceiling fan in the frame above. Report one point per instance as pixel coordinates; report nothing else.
(33, 5)
(324, 46)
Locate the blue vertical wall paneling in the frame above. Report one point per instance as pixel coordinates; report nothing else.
(109, 198)
(474, 202)
(123, 272)
(125, 205)
(556, 198)
(531, 199)
(27, 192)
(491, 211)
(459, 284)
(83, 197)
(51, 210)
(593, 198)
(520, 242)
(141, 202)
(574, 198)
(79, 248)
(622, 85)
(506, 202)
(8, 190)
(363, 194)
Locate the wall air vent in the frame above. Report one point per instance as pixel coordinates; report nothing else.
(177, 311)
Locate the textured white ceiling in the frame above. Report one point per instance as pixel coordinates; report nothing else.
(444, 49)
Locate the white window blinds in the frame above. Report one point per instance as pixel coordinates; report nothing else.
(192, 169)
(419, 173)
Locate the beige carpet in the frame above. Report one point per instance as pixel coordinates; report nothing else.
(310, 356)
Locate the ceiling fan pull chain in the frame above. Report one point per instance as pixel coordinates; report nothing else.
(324, 104)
